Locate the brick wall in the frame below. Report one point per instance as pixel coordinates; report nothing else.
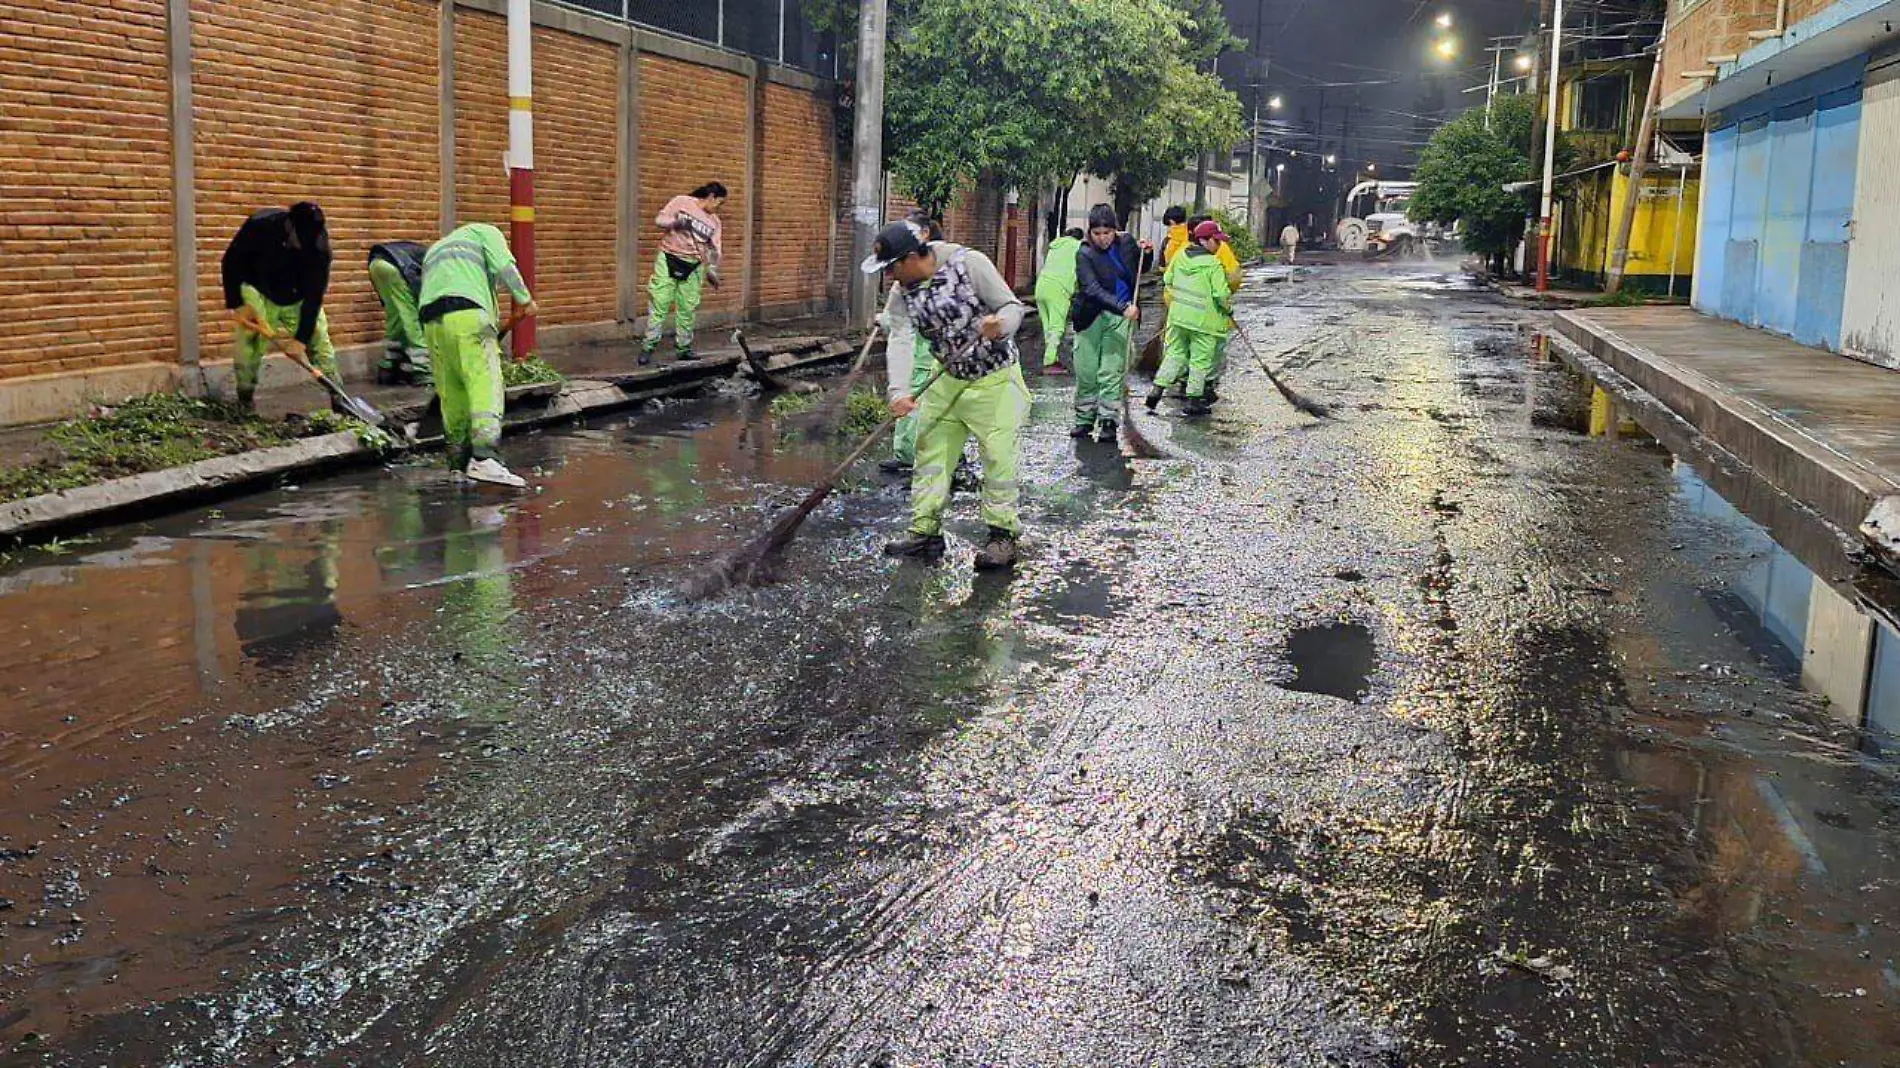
(693, 131)
(799, 175)
(576, 110)
(85, 196)
(332, 102)
(1713, 28)
(339, 103)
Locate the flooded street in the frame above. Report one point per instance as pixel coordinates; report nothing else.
(1439, 732)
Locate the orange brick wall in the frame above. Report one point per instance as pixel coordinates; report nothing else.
(576, 112)
(85, 194)
(799, 175)
(332, 102)
(693, 131)
(1714, 28)
(338, 103)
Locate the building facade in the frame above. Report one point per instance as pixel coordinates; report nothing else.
(1798, 109)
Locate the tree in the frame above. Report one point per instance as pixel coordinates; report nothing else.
(1034, 91)
(1463, 170)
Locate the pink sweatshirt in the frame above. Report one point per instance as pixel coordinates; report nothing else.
(706, 225)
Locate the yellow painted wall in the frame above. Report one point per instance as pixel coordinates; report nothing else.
(1654, 233)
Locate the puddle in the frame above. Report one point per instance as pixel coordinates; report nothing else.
(1335, 659)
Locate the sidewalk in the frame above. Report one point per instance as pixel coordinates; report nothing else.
(600, 377)
(1821, 428)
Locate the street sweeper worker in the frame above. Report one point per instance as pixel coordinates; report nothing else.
(1178, 239)
(395, 273)
(276, 271)
(1105, 314)
(904, 437)
(689, 258)
(462, 324)
(1201, 318)
(1055, 296)
(957, 299)
(1231, 264)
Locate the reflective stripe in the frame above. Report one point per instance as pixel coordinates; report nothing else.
(457, 252)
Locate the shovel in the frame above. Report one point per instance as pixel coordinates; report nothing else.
(356, 406)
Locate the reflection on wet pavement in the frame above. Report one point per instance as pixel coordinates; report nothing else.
(1441, 733)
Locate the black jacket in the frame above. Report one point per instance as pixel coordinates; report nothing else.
(1095, 277)
(406, 256)
(260, 256)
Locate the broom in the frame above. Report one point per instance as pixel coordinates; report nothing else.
(1310, 407)
(1138, 443)
(749, 563)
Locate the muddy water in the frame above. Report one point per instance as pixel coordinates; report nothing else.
(1405, 738)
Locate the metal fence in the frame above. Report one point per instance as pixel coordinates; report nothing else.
(773, 30)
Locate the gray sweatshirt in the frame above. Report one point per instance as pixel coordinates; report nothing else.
(900, 347)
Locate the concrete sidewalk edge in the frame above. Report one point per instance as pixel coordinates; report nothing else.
(1835, 484)
(154, 492)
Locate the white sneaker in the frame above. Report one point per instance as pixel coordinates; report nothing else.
(492, 472)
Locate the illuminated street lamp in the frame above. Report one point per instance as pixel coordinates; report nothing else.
(1446, 48)
(1331, 159)
(1444, 20)
(1274, 102)
(1522, 62)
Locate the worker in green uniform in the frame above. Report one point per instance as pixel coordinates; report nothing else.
(903, 456)
(955, 297)
(462, 324)
(688, 260)
(1055, 294)
(395, 273)
(1105, 315)
(1199, 320)
(275, 273)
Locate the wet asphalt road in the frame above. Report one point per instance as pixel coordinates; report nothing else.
(1415, 736)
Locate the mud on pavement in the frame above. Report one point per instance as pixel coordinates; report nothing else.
(1402, 738)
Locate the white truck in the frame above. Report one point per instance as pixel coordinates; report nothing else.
(1382, 229)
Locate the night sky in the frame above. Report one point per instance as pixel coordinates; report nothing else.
(1370, 64)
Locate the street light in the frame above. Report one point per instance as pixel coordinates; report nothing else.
(1522, 62)
(1444, 20)
(1371, 168)
(1446, 48)
(1331, 159)
(1274, 102)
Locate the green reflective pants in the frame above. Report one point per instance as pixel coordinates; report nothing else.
(284, 319)
(993, 409)
(667, 295)
(467, 363)
(1193, 353)
(904, 438)
(1053, 310)
(404, 347)
(1101, 359)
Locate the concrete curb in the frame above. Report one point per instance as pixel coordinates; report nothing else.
(155, 492)
(1833, 485)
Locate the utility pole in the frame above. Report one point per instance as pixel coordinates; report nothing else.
(1491, 91)
(1550, 147)
(1639, 169)
(867, 158)
(521, 156)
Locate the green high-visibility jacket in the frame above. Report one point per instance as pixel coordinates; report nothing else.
(469, 263)
(1058, 272)
(1202, 301)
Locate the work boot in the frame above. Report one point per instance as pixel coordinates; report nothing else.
(1153, 399)
(894, 466)
(686, 356)
(646, 352)
(999, 553)
(1105, 430)
(492, 471)
(1197, 406)
(1082, 430)
(247, 401)
(388, 374)
(915, 546)
(1208, 392)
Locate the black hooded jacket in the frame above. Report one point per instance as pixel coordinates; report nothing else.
(1095, 277)
(260, 256)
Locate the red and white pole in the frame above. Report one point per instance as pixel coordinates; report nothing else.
(1550, 148)
(521, 155)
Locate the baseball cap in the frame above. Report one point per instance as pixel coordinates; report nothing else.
(1208, 229)
(893, 243)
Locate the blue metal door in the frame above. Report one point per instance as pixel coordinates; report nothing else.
(1718, 195)
(1747, 216)
(1785, 220)
(1830, 209)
